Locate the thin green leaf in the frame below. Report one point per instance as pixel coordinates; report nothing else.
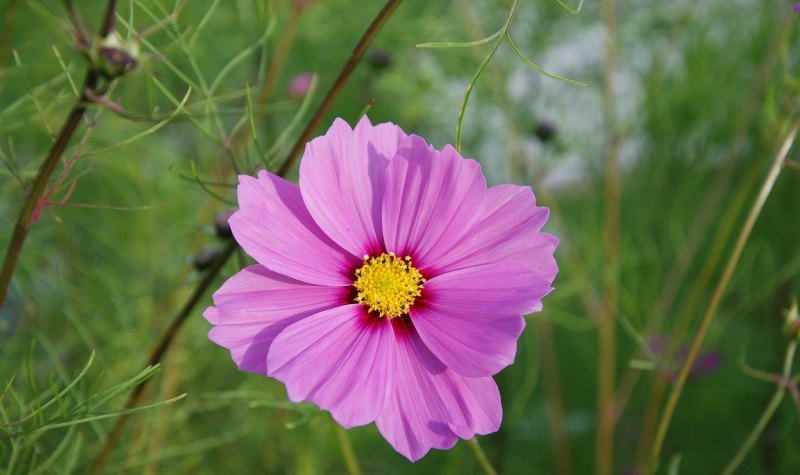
(202, 184)
(58, 425)
(674, 464)
(197, 446)
(295, 123)
(637, 337)
(235, 61)
(24, 75)
(145, 132)
(568, 8)
(22, 100)
(100, 399)
(55, 455)
(642, 364)
(464, 44)
(253, 133)
(72, 460)
(8, 386)
(58, 396)
(203, 22)
(64, 68)
(538, 68)
(468, 92)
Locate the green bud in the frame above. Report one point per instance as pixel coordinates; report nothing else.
(115, 57)
(792, 324)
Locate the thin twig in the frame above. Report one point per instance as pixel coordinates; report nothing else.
(716, 297)
(109, 20)
(344, 75)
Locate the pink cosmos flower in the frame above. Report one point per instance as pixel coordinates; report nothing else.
(391, 284)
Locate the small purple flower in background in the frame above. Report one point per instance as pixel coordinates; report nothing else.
(796, 7)
(390, 287)
(300, 84)
(706, 363)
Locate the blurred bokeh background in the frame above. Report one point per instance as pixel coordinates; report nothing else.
(649, 173)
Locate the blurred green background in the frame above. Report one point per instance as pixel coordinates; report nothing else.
(690, 99)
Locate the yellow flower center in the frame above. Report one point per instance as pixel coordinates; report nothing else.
(387, 284)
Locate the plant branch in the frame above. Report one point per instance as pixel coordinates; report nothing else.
(341, 80)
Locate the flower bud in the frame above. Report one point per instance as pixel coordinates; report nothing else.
(546, 130)
(300, 85)
(792, 323)
(205, 257)
(221, 224)
(115, 57)
(379, 59)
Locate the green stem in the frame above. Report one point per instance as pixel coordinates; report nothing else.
(483, 460)
(769, 411)
(711, 310)
(606, 320)
(39, 185)
(349, 456)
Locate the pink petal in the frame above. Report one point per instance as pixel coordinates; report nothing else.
(432, 201)
(488, 290)
(254, 305)
(341, 178)
(432, 406)
(274, 227)
(508, 233)
(472, 345)
(343, 360)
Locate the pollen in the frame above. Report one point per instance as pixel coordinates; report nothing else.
(388, 284)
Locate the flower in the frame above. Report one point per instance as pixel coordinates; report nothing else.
(300, 85)
(390, 287)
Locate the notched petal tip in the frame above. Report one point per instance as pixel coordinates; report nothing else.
(211, 314)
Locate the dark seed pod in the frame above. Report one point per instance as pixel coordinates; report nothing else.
(221, 224)
(205, 257)
(546, 130)
(379, 59)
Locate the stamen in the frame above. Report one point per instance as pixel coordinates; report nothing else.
(387, 284)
